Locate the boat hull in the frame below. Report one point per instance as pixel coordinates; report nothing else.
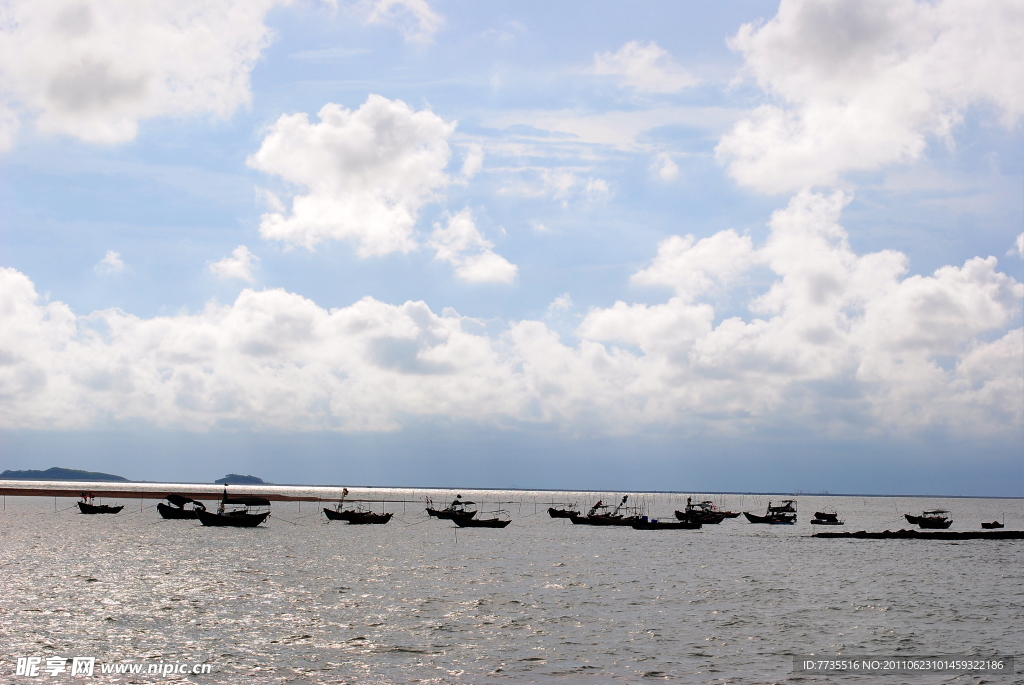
(449, 514)
(779, 520)
(603, 520)
(232, 520)
(98, 508)
(469, 522)
(705, 517)
(992, 525)
(666, 525)
(561, 513)
(928, 523)
(361, 518)
(169, 512)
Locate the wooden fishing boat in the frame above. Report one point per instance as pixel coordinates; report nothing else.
(355, 516)
(470, 522)
(934, 519)
(645, 523)
(595, 517)
(457, 507)
(562, 513)
(704, 512)
(826, 518)
(784, 515)
(177, 507)
(992, 525)
(88, 506)
(237, 512)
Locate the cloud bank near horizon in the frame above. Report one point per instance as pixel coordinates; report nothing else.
(843, 342)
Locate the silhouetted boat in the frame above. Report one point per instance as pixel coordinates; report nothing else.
(990, 526)
(355, 516)
(936, 518)
(562, 513)
(470, 522)
(86, 506)
(176, 509)
(358, 517)
(705, 512)
(594, 517)
(237, 512)
(784, 515)
(826, 518)
(457, 507)
(644, 523)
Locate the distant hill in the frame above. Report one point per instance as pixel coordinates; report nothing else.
(236, 479)
(58, 473)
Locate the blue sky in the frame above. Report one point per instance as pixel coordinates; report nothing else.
(669, 246)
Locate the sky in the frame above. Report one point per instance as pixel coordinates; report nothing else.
(748, 246)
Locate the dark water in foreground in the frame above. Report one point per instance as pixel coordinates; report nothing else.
(301, 601)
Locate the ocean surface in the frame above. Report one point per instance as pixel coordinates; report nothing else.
(299, 600)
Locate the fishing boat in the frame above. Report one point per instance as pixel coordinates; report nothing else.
(176, 509)
(784, 515)
(470, 522)
(990, 526)
(88, 506)
(237, 512)
(595, 517)
(936, 518)
(563, 513)
(456, 508)
(355, 517)
(644, 523)
(826, 518)
(704, 512)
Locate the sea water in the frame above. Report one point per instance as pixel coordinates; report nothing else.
(300, 600)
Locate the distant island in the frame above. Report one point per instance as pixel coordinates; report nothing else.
(236, 479)
(58, 473)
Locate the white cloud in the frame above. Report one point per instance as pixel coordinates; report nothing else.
(666, 169)
(474, 160)
(560, 305)
(844, 343)
(238, 265)
(460, 244)
(862, 84)
(694, 267)
(94, 69)
(1018, 247)
(111, 263)
(563, 185)
(364, 175)
(644, 67)
(414, 19)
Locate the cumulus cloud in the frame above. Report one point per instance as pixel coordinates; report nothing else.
(694, 267)
(861, 84)
(94, 69)
(474, 161)
(1018, 247)
(238, 265)
(460, 244)
(414, 19)
(111, 263)
(363, 175)
(665, 167)
(848, 343)
(646, 68)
